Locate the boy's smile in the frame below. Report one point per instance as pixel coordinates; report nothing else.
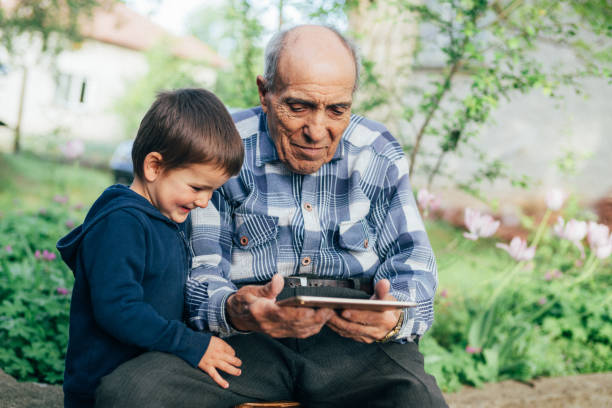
(178, 191)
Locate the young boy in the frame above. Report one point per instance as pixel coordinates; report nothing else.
(131, 256)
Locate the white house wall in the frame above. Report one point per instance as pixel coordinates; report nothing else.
(107, 70)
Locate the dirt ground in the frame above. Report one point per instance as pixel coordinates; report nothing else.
(582, 391)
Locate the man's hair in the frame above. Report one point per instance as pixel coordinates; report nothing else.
(188, 126)
(276, 45)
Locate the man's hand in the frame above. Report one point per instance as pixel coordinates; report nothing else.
(364, 325)
(253, 308)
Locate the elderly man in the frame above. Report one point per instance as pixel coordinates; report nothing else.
(323, 205)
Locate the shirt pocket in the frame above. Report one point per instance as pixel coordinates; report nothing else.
(255, 248)
(355, 235)
(253, 230)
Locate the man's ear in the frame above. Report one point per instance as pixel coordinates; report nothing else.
(152, 166)
(262, 88)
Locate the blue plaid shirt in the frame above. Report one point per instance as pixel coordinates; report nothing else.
(355, 217)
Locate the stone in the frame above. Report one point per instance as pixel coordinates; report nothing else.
(15, 394)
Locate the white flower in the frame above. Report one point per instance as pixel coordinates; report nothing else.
(600, 239)
(427, 200)
(518, 249)
(574, 231)
(73, 149)
(479, 225)
(555, 199)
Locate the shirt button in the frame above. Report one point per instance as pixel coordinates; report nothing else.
(244, 240)
(308, 206)
(366, 243)
(306, 261)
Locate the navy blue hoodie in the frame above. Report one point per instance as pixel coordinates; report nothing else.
(130, 264)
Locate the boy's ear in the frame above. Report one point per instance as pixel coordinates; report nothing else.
(262, 88)
(152, 166)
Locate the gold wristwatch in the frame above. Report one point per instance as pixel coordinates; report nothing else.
(389, 336)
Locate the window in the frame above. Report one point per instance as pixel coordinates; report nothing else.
(70, 89)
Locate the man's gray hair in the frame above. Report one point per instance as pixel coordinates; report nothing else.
(275, 48)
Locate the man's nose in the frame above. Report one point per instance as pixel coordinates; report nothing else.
(316, 128)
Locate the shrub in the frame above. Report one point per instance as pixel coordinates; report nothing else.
(34, 292)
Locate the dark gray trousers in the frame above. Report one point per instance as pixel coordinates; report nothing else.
(325, 370)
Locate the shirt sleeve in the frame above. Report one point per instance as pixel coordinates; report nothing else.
(115, 270)
(407, 258)
(209, 284)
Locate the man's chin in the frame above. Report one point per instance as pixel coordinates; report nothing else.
(307, 168)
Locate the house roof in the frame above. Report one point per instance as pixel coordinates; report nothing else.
(115, 23)
(118, 24)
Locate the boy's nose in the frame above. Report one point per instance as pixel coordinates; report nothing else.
(202, 203)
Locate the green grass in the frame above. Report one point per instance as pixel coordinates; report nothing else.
(463, 263)
(29, 182)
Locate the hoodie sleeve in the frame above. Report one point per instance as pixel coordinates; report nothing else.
(114, 260)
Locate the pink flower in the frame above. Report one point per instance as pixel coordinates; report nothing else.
(555, 199)
(472, 350)
(8, 249)
(542, 301)
(479, 225)
(37, 254)
(574, 231)
(553, 274)
(78, 206)
(518, 249)
(60, 199)
(444, 293)
(62, 291)
(69, 224)
(42, 211)
(427, 200)
(600, 239)
(73, 149)
(48, 256)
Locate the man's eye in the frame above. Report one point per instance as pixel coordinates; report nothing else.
(338, 111)
(296, 107)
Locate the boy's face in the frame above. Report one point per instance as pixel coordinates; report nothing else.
(176, 192)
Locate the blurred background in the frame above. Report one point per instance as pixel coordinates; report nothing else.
(497, 103)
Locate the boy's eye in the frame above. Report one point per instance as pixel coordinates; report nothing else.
(196, 189)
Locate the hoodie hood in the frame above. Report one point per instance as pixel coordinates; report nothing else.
(114, 198)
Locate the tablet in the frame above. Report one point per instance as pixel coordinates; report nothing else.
(344, 303)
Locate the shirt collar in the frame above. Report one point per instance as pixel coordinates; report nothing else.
(266, 150)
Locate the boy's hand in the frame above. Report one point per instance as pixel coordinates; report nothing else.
(220, 355)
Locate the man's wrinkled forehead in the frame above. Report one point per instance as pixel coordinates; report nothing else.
(312, 51)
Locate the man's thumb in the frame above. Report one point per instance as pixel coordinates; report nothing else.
(382, 288)
(273, 288)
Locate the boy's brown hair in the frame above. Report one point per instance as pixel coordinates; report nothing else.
(188, 126)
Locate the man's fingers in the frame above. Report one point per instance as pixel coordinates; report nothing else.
(364, 334)
(214, 374)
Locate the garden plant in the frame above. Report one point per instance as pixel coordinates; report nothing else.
(542, 307)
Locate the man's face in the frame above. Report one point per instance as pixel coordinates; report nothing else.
(309, 111)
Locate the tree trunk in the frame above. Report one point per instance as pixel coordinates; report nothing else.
(17, 140)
